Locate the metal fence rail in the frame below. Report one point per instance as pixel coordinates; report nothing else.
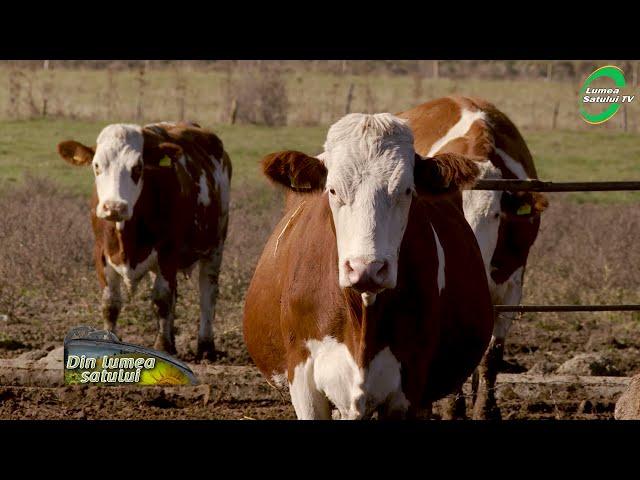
(566, 308)
(542, 186)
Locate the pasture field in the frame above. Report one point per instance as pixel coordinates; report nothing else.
(585, 253)
(308, 97)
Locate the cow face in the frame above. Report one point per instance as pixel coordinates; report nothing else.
(504, 223)
(370, 172)
(118, 166)
(483, 211)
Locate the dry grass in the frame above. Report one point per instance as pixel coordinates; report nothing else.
(49, 284)
(585, 254)
(45, 242)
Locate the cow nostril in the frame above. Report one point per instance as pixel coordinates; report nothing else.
(383, 270)
(348, 267)
(115, 207)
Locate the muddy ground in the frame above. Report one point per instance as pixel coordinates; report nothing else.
(583, 255)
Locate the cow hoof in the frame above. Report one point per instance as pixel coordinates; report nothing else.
(207, 351)
(454, 408)
(163, 345)
(487, 413)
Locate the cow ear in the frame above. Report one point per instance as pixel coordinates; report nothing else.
(444, 173)
(164, 154)
(295, 170)
(524, 205)
(76, 153)
(540, 202)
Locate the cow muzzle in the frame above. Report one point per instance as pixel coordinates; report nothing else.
(115, 211)
(368, 276)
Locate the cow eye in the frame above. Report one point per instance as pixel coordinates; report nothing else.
(96, 169)
(496, 215)
(136, 172)
(408, 191)
(332, 191)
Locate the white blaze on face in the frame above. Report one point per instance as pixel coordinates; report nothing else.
(370, 160)
(482, 210)
(116, 164)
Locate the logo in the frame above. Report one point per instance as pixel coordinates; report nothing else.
(607, 96)
(98, 357)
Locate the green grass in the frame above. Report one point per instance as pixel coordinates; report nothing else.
(29, 147)
(587, 156)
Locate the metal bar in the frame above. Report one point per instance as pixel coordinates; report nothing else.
(566, 308)
(542, 186)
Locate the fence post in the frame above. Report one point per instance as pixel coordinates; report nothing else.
(14, 87)
(141, 87)
(347, 108)
(47, 88)
(180, 93)
(233, 111)
(556, 110)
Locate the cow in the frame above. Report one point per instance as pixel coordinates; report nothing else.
(160, 205)
(370, 295)
(505, 223)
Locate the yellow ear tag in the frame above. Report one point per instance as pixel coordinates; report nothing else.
(77, 158)
(165, 161)
(524, 209)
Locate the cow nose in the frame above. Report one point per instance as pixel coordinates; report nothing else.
(366, 276)
(115, 208)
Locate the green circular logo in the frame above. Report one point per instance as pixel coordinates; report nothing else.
(608, 71)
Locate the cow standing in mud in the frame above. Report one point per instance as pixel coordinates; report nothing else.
(505, 224)
(160, 205)
(370, 295)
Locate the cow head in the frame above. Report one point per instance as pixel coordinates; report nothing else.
(370, 173)
(118, 165)
(505, 223)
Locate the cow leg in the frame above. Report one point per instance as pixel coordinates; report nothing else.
(308, 402)
(396, 408)
(455, 407)
(164, 299)
(486, 407)
(208, 279)
(111, 298)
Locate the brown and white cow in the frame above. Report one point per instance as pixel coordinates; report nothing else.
(505, 224)
(160, 205)
(370, 294)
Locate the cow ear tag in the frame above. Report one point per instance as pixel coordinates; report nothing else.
(165, 161)
(524, 209)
